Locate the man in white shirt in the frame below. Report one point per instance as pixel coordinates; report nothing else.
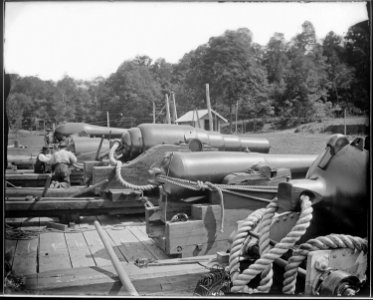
(62, 161)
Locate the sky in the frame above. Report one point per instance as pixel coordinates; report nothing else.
(85, 40)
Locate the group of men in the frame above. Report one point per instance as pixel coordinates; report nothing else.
(59, 163)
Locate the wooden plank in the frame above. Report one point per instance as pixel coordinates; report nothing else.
(10, 249)
(151, 246)
(14, 222)
(37, 191)
(98, 250)
(78, 249)
(26, 222)
(129, 245)
(49, 206)
(25, 258)
(162, 280)
(53, 252)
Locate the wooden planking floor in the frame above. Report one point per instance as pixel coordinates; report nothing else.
(78, 247)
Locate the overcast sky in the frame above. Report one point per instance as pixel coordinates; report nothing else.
(89, 39)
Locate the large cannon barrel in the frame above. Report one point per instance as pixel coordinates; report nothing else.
(145, 136)
(337, 183)
(213, 166)
(68, 129)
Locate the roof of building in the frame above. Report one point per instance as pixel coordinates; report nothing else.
(192, 115)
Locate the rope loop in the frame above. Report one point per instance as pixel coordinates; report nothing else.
(118, 168)
(331, 241)
(263, 264)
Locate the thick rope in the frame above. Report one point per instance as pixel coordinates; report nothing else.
(332, 241)
(264, 246)
(118, 174)
(241, 280)
(197, 185)
(238, 242)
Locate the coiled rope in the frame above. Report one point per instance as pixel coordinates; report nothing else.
(118, 167)
(332, 241)
(263, 264)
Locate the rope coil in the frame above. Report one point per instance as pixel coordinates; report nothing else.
(332, 241)
(263, 264)
(118, 167)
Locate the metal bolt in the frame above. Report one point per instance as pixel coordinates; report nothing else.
(321, 264)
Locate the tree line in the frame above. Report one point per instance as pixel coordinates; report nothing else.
(296, 81)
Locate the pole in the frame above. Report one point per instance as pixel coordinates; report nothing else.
(199, 125)
(123, 276)
(209, 107)
(345, 124)
(153, 112)
(168, 117)
(174, 111)
(108, 119)
(236, 114)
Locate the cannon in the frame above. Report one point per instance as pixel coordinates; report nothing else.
(139, 139)
(214, 166)
(85, 129)
(203, 194)
(311, 239)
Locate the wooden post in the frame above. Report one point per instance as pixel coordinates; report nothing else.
(168, 117)
(122, 274)
(174, 111)
(236, 115)
(108, 119)
(99, 148)
(345, 124)
(209, 107)
(153, 112)
(199, 125)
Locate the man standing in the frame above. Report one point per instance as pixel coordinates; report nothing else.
(63, 160)
(42, 161)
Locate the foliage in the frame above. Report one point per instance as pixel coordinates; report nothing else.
(296, 81)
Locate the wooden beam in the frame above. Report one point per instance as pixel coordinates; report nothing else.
(170, 279)
(54, 206)
(209, 107)
(168, 116)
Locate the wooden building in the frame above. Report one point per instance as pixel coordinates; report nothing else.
(200, 119)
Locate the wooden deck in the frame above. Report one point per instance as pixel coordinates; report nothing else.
(62, 261)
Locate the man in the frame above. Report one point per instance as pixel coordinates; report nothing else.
(63, 160)
(42, 161)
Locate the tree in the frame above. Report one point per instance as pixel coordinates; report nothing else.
(307, 81)
(129, 93)
(16, 105)
(340, 74)
(230, 63)
(357, 45)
